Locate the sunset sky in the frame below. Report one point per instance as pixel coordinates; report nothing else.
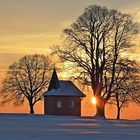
(33, 26)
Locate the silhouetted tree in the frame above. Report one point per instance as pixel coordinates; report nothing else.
(94, 45)
(127, 87)
(27, 79)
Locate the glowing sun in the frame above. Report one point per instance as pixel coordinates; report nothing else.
(93, 100)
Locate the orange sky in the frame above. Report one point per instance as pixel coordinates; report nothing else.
(32, 26)
(88, 109)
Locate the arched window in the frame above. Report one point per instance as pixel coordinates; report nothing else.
(59, 104)
(72, 104)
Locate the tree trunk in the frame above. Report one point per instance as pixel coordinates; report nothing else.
(100, 108)
(118, 113)
(31, 108)
(118, 106)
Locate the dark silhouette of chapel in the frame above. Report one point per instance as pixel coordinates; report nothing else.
(62, 97)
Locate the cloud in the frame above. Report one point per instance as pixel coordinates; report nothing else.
(32, 26)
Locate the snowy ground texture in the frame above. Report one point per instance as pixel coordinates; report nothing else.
(43, 127)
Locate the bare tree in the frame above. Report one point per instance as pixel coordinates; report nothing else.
(27, 79)
(127, 87)
(94, 45)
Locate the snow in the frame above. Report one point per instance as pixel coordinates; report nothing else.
(41, 127)
(67, 88)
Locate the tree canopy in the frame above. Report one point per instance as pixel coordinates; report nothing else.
(96, 45)
(27, 79)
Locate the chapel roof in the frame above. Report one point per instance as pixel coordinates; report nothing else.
(62, 87)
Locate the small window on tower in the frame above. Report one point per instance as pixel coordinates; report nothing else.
(72, 104)
(59, 104)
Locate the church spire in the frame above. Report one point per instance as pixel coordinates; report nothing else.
(54, 82)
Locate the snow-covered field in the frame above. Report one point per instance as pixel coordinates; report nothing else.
(43, 127)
